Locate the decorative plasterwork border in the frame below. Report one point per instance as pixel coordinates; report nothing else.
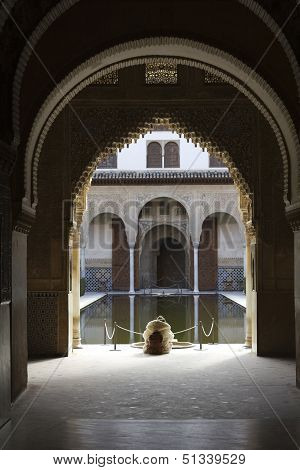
(61, 7)
(90, 70)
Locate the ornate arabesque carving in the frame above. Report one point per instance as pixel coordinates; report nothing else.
(64, 5)
(135, 45)
(294, 219)
(234, 133)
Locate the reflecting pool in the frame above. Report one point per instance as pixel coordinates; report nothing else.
(181, 312)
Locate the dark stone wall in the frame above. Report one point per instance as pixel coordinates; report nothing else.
(49, 279)
(274, 256)
(5, 363)
(19, 353)
(7, 159)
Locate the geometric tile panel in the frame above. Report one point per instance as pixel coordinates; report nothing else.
(98, 279)
(42, 322)
(230, 278)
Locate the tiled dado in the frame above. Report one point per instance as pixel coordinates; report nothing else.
(230, 278)
(42, 322)
(98, 279)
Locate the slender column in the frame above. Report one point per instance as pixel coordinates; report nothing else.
(131, 327)
(196, 318)
(131, 262)
(76, 289)
(196, 275)
(248, 339)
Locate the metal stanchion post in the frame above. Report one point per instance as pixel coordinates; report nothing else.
(105, 331)
(213, 331)
(200, 336)
(115, 336)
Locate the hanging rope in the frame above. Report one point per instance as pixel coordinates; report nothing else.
(211, 329)
(107, 334)
(188, 329)
(110, 337)
(129, 331)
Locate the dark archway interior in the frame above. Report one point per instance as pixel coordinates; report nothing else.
(171, 264)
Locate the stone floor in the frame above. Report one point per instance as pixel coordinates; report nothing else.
(223, 397)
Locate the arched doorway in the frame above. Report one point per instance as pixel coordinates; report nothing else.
(171, 264)
(175, 119)
(162, 240)
(164, 258)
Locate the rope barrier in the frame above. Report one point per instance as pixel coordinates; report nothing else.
(188, 329)
(107, 334)
(129, 331)
(110, 337)
(211, 328)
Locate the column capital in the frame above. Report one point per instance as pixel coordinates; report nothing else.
(196, 244)
(293, 216)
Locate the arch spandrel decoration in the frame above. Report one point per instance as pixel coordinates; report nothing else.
(238, 179)
(254, 88)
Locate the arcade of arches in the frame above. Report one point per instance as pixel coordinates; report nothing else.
(97, 98)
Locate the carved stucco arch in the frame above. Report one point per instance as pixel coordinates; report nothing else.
(149, 198)
(92, 214)
(61, 7)
(109, 60)
(161, 224)
(234, 214)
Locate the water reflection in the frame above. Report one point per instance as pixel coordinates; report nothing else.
(181, 312)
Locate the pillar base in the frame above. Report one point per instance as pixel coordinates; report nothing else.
(77, 343)
(196, 292)
(248, 342)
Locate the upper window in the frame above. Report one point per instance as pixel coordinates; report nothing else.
(171, 155)
(215, 163)
(154, 155)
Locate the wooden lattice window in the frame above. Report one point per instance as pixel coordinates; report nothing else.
(154, 155)
(172, 155)
(215, 163)
(161, 72)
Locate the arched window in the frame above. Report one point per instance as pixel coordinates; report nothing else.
(154, 155)
(172, 155)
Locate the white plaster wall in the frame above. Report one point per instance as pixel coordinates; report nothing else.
(200, 201)
(99, 243)
(230, 239)
(134, 157)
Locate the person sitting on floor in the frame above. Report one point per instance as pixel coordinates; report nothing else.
(158, 337)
